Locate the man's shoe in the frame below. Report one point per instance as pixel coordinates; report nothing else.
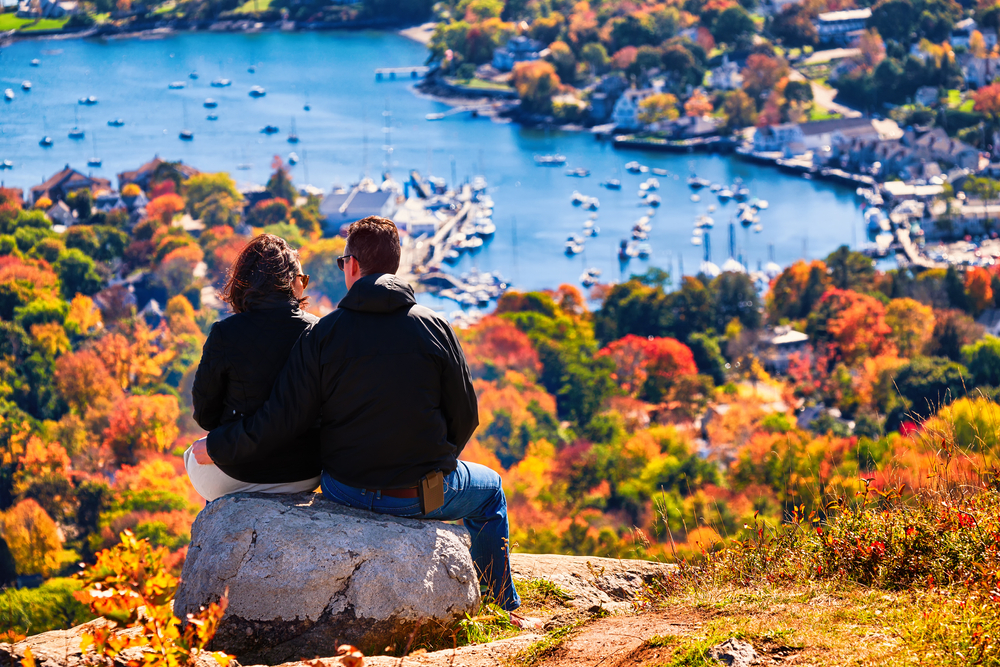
(525, 623)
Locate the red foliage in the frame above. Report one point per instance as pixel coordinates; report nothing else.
(856, 325)
(498, 342)
(165, 207)
(166, 187)
(637, 358)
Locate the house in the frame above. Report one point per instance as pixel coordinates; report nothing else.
(415, 219)
(978, 72)
(342, 207)
(937, 146)
(961, 34)
(143, 174)
(777, 350)
(49, 9)
(777, 137)
(841, 27)
(926, 96)
(687, 127)
(61, 214)
(605, 95)
(108, 202)
(726, 76)
(625, 115)
(68, 180)
(518, 49)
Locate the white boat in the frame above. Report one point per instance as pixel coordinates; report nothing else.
(627, 250)
(36, 62)
(696, 198)
(186, 135)
(7, 164)
(592, 231)
(193, 75)
(485, 228)
(243, 166)
(176, 85)
(212, 116)
(25, 85)
(660, 172)
(762, 204)
(221, 83)
(696, 240)
(209, 103)
(653, 200)
(95, 162)
(8, 94)
(579, 172)
(553, 160)
(45, 142)
(696, 183)
(577, 198)
(612, 184)
(76, 133)
(758, 228)
(725, 194)
(633, 167)
(652, 183)
(592, 204)
(117, 122)
(452, 255)
(257, 91)
(590, 276)
(472, 243)
(645, 250)
(89, 101)
(293, 158)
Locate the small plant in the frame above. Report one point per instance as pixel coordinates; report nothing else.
(130, 586)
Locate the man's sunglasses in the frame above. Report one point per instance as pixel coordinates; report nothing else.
(341, 259)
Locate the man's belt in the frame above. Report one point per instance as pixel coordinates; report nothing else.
(411, 492)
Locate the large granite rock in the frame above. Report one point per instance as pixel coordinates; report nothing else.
(305, 575)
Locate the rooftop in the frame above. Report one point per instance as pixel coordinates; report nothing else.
(846, 15)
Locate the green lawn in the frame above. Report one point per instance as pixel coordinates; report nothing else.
(819, 113)
(480, 84)
(46, 24)
(251, 6)
(954, 98)
(11, 22)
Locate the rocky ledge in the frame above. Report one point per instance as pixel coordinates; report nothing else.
(305, 575)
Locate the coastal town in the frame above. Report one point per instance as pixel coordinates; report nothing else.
(721, 280)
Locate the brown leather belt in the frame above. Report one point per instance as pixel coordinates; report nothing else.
(399, 493)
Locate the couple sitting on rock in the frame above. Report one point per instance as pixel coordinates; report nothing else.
(372, 403)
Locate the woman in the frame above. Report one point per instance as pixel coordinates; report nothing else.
(240, 362)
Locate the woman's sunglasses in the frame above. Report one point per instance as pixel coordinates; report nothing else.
(305, 280)
(341, 259)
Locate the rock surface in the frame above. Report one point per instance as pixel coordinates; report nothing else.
(591, 582)
(305, 575)
(734, 653)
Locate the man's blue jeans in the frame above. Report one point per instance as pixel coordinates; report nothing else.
(472, 493)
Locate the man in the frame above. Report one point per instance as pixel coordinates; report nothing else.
(389, 383)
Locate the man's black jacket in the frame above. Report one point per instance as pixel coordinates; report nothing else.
(240, 362)
(389, 382)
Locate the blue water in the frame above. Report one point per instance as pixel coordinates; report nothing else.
(343, 135)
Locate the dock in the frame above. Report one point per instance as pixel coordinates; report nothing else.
(391, 73)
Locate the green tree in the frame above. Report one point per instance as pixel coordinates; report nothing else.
(925, 384)
(77, 274)
(850, 270)
(280, 184)
(734, 26)
(735, 297)
(708, 356)
(201, 187)
(595, 55)
(982, 358)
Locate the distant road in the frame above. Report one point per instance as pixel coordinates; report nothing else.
(823, 96)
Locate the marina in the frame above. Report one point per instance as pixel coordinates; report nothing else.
(341, 140)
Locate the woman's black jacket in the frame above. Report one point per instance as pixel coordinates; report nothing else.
(241, 359)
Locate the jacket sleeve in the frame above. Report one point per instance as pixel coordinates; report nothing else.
(458, 397)
(210, 381)
(292, 408)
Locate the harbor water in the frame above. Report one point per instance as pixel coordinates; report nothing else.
(358, 125)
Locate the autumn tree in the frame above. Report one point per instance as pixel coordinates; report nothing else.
(668, 360)
(977, 45)
(630, 359)
(142, 423)
(83, 380)
(852, 324)
(953, 330)
(43, 477)
(734, 26)
(536, 82)
(280, 184)
(561, 56)
(740, 110)
(202, 187)
(978, 289)
(495, 346)
(912, 325)
(84, 317)
(319, 260)
(982, 358)
(269, 212)
(872, 49)
(165, 207)
(987, 101)
(761, 74)
(135, 360)
(698, 104)
(32, 536)
(177, 268)
(658, 107)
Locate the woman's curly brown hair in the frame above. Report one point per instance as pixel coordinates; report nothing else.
(267, 265)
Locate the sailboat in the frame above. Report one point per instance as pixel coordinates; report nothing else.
(76, 132)
(94, 161)
(293, 138)
(307, 106)
(186, 135)
(46, 141)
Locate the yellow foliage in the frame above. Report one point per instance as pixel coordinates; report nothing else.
(180, 317)
(43, 203)
(661, 106)
(131, 190)
(84, 316)
(32, 536)
(51, 338)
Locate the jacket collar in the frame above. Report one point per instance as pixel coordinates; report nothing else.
(272, 300)
(378, 293)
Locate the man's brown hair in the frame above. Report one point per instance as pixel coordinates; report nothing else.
(374, 242)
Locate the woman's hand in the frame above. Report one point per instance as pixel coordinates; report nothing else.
(200, 451)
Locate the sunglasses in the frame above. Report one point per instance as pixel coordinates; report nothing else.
(305, 280)
(340, 261)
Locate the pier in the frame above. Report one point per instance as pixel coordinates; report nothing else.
(391, 73)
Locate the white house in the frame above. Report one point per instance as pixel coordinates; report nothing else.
(726, 76)
(342, 207)
(962, 33)
(794, 138)
(842, 26)
(625, 115)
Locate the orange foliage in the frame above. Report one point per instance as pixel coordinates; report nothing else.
(978, 288)
(698, 104)
(32, 274)
(134, 360)
(636, 358)
(83, 380)
(987, 99)
(165, 207)
(496, 343)
(142, 423)
(856, 325)
(624, 57)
